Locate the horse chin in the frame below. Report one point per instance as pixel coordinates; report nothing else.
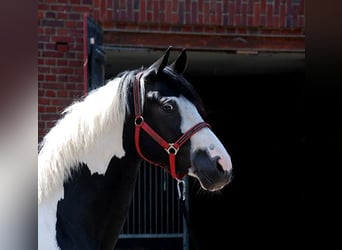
(212, 188)
(207, 184)
(209, 170)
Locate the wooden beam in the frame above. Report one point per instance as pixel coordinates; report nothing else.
(208, 42)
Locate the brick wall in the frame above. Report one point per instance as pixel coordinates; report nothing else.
(60, 57)
(202, 16)
(60, 35)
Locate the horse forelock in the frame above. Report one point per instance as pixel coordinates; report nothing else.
(102, 111)
(187, 90)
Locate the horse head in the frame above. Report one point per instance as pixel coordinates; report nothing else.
(170, 130)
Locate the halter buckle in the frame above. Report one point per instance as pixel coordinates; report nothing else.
(171, 149)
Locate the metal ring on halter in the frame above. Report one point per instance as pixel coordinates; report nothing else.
(138, 120)
(181, 189)
(171, 149)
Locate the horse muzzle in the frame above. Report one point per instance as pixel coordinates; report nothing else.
(213, 172)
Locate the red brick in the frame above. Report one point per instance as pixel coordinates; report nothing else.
(50, 61)
(206, 13)
(263, 7)
(256, 15)
(51, 78)
(50, 93)
(244, 9)
(276, 21)
(62, 62)
(63, 32)
(156, 12)
(77, 2)
(149, 17)
(63, 70)
(70, 86)
(188, 19)
(212, 19)
(52, 54)
(43, 69)
(52, 85)
(63, 102)
(62, 93)
(249, 21)
(168, 12)
(62, 15)
(237, 20)
(62, 39)
(62, 78)
(142, 11)
(174, 5)
(42, 100)
(174, 18)
(49, 31)
(269, 15)
(43, 38)
(50, 46)
(51, 109)
(70, 24)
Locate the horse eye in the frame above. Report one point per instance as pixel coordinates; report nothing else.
(167, 107)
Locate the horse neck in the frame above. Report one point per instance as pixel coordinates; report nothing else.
(97, 194)
(100, 202)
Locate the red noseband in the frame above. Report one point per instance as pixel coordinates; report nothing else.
(170, 148)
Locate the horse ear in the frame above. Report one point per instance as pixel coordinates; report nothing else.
(161, 63)
(179, 65)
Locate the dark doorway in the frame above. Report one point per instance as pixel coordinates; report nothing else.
(257, 117)
(254, 105)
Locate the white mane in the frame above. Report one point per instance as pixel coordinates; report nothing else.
(72, 137)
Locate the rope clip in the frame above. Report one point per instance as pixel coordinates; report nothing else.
(181, 189)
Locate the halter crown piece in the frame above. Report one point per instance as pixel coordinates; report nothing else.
(170, 148)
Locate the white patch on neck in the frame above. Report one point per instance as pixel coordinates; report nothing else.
(47, 211)
(103, 147)
(90, 132)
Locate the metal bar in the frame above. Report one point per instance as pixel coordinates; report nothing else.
(185, 226)
(150, 192)
(162, 201)
(156, 199)
(155, 210)
(168, 235)
(139, 206)
(167, 201)
(145, 205)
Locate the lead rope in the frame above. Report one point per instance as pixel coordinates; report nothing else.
(181, 196)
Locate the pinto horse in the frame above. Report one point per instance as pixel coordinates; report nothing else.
(88, 162)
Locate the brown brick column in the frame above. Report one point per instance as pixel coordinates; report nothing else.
(60, 57)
